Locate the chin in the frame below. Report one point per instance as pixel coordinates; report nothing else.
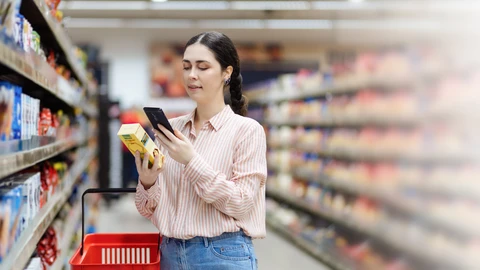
(197, 97)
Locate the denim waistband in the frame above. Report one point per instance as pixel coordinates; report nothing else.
(201, 239)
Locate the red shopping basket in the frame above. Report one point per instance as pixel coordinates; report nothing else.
(119, 251)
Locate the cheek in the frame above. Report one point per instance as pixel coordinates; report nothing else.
(212, 78)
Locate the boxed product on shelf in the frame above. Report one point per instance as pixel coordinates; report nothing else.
(7, 98)
(10, 111)
(10, 214)
(29, 116)
(26, 183)
(8, 10)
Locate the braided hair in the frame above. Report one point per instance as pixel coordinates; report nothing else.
(226, 54)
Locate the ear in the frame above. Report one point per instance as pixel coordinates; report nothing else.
(228, 72)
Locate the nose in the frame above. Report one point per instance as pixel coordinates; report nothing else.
(193, 74)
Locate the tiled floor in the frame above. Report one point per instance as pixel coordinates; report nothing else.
(273, 252)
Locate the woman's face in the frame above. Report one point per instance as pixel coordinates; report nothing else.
(202, 74)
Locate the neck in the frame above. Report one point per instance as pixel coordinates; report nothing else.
(205, 112)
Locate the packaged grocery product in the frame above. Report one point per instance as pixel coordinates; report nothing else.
(47, 248)
(11, 200)
(17, 114)
(45, 123)
(136, 138)
(9, 9)
(7, 100)
(36, 42)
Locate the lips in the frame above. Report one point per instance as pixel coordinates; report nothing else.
(194, 87)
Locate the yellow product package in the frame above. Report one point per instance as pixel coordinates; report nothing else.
(136, 138)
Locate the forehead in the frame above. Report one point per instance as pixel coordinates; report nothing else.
(198, 52)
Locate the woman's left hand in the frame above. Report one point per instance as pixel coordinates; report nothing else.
(178, 146)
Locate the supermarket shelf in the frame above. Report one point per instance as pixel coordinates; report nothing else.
(23, 249)
(36, 70)
(375, 232)
(306, 246)
(64, 42)
(68, 233)
(17, 161)
(356, 121)
(347, 87)
(373, 155)
(394, 200)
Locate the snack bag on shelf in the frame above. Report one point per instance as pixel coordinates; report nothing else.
(47, 248)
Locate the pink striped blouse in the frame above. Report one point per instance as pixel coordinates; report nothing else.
(222, 189)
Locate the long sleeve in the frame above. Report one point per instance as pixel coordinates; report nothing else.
(146, 201)
(234, 197)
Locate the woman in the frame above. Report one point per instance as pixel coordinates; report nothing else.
(208, 201)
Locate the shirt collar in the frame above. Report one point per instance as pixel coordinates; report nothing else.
(217, 121)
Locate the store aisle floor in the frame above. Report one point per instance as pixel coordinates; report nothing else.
(273, 252)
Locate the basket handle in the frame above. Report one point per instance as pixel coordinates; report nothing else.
(103, 190)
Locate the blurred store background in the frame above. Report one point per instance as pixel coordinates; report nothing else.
(370, 109)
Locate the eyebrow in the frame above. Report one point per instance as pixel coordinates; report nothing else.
(198, 61)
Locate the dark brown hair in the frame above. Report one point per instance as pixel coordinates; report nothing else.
(226, 54)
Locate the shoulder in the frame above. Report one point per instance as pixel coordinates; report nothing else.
(248, 126)
(179, 121)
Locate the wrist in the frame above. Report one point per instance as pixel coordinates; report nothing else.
(147, 185)
(189, 159)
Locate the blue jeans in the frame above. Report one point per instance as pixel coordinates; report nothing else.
(228, 251)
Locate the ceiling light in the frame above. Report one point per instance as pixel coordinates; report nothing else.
(105, 5)
(94, 23)
(412, 25)
(270, 5)
(158, 23)
(231, 24)
(190, 5)
(298, 24)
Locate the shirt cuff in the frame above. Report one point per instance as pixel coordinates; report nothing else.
(198, 170)
(151, 194)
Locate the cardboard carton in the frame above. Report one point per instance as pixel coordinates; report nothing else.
(136, 138)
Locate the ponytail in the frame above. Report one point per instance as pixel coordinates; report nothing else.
(237, 99)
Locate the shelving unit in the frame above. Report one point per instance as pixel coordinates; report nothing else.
(337, 88)
(17, 161)
(26, 244)
(345, 136)
(392, 199)
(377, 232)
(61, 39)
(306, 246)
(372, 155)
(72, 224)
(41, 81)
(38, 72)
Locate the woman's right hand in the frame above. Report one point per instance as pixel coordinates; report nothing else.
(147, 176)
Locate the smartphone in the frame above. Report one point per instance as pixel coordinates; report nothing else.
(157, 116)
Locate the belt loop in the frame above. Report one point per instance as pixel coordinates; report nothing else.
(168, 239)
(205, 241)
